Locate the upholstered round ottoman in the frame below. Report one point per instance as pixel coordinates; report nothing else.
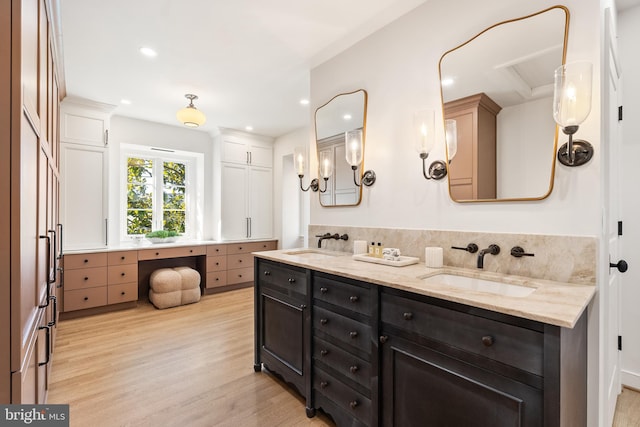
(171, 287)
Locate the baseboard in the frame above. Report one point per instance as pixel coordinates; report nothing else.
(630, 379)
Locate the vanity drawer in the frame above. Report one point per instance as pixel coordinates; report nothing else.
(162, 253)
(98, 259)
(216, 263)
(239, 275)
(285, 279)
(349, 331)
(342, 362)
(351, 297)
(248, 247)
(123, 257)
(513, 345)
(85, 298)
(124, 292)
(216, 250)
(85, 278)
(216, 279)
(239, 261)
(354, 403)
(122, 273)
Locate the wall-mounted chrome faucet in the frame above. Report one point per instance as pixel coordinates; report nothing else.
(325, 236)
(492, 249)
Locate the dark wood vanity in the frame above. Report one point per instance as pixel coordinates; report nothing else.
(371, 355)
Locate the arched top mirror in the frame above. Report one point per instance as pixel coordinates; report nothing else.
(498, 87)
(344, 113)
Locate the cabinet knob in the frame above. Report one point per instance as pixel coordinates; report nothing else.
(324, 290)
(354, 298)
(407, 316)
(303, 306)
(383, 339)
(353, 369)
(267, 273)
(122, 293)
(353, 334)
(240, 247)
(324, 352)
(240, 261)
(190, 251)
(353, 404)
(323, 321)
(86, 298)
(157, 253)
(239, 275)
(86, 278)
(291, 280)
(122, 258)
(86, 261)
(217, 263)
(324, 384)
(122, 274)
(217, 279)
(487, 340)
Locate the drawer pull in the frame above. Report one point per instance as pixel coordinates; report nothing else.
(190, 251)
(86, 261)
(122, 293)
(324, 352)
(157, 253)
(239, 275)
(324, 384)
(86, 298)
(353, 334)
(267, 273)
(354, 299)
(240, 261)
(487, 340)
(122, 258)
(324, 290)
(86, 278)
(291, 280)
(239, 248)
(323, 321)
(122, 274)
(407, 316)
(383, 339)
(303, 306)
(353, 369)
(217, 279)
(217, 263)
(353, 404)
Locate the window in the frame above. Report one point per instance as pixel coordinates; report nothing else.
(158, 192)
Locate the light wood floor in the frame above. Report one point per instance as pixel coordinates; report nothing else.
(185, 366)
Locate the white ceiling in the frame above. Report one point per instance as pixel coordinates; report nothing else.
(247, 60)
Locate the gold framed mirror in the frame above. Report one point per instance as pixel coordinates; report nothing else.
(498, 87)
(342, 114)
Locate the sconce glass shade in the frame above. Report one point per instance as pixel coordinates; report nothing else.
(424, 127)
(325, 165)
(299, 160)
(353, 147)
(451, 136)
(190, 116)
(572, 93)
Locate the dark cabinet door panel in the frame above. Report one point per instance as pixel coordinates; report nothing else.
(282, 325)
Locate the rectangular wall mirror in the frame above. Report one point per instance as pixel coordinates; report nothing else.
(343, 113)
(498, 86)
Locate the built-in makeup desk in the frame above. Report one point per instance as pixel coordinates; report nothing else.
(115, 278)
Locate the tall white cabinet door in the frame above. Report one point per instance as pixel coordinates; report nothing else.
(260, 203)
(84, 196)
(234, 215)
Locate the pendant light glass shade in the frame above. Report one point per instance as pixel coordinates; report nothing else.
(190, 116)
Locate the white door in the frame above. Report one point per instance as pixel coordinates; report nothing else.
(610, 289)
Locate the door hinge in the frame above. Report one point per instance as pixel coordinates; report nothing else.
(620, 113)
(619, 342)
(619, 228)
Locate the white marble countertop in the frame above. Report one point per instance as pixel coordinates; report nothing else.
(146, 244)
(555, 303)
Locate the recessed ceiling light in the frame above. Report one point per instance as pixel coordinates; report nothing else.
(347, 116)
(248, 128)
(447, 81)
(125, 101)
(147, 51)
(304, 102)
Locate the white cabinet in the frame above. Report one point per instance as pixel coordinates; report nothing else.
(84, 171)
(85, 122)
(246, 186)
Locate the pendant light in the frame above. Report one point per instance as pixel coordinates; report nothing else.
(190, 116)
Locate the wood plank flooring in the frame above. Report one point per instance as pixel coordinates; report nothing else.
(184, 366)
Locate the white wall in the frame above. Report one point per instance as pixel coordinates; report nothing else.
(629, 35)
(125, 130)
(398, 66)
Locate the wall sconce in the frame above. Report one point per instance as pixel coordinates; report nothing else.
(424, 125)
(325, 166)
(571, 106)
(353, 153)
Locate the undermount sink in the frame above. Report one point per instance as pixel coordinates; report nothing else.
(312, 253)
(482, 285)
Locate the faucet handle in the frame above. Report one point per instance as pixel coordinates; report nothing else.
(472, 248)
(518, 252)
